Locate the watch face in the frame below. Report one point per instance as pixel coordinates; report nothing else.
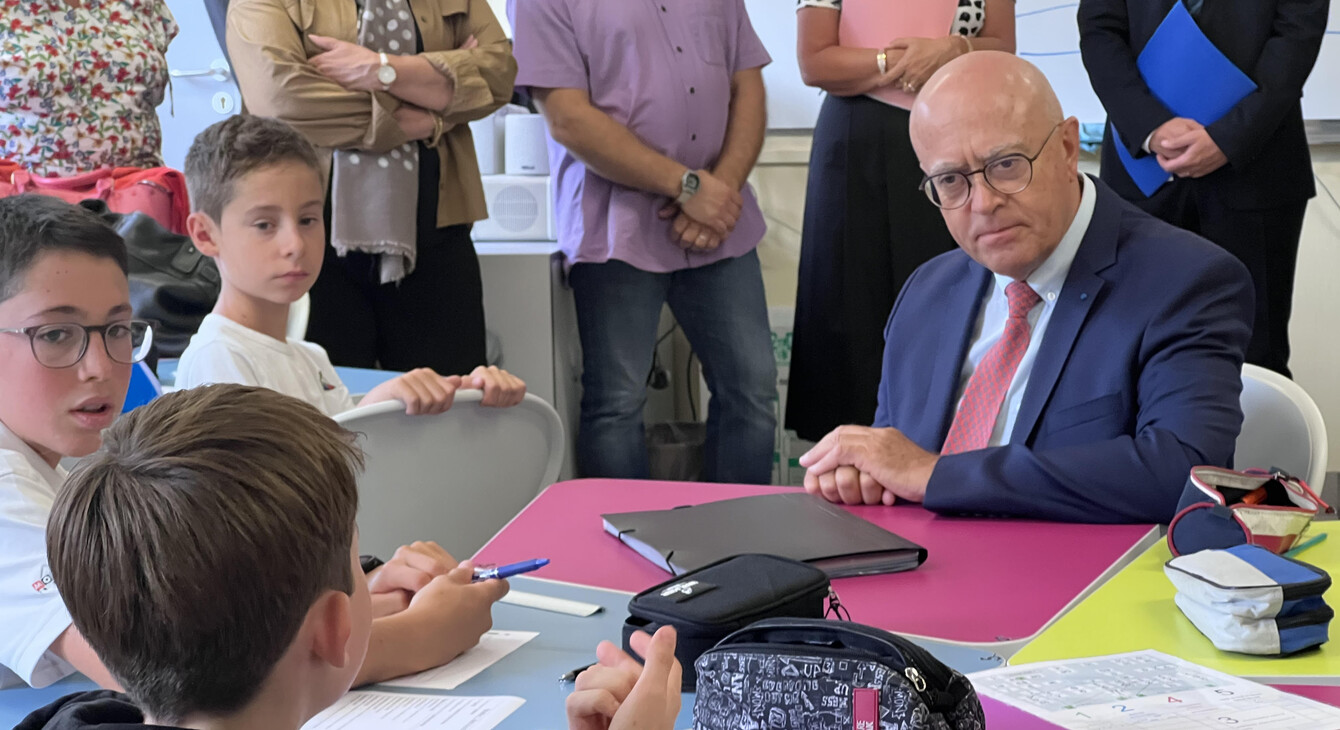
(691, 182)
(386, 75)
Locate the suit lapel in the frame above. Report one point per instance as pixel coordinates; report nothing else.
(1097, 251)
(957, 317)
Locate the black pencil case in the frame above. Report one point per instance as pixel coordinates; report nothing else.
(707, 604)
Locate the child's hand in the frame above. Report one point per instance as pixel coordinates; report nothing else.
(413, 567)
(618, 693)
(423, 392)
(501, 388)
(450, 614)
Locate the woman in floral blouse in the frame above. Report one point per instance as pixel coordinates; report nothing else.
(80, 83)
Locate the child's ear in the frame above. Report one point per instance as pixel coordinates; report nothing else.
(331, 624)
(204, 232)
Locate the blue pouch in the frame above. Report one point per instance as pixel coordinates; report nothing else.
(1249, 600)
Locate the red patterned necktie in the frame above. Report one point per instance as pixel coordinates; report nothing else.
(976, 417)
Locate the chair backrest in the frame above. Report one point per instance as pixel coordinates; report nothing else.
(298, 314)
(1281, 427)
(455, 478)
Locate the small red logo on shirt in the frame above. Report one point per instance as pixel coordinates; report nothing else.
(324, 384)
(44, 581)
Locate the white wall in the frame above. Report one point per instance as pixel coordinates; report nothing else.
(1315, 331)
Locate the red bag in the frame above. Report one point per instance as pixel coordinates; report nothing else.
(158, 192)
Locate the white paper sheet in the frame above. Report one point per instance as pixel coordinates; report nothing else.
(491, 647)
(362, 710)
(1149, 690)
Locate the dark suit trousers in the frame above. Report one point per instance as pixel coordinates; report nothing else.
(1265, 240)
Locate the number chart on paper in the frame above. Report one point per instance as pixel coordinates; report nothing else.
(1149, 690)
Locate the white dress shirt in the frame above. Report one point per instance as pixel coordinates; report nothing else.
(1047, 281)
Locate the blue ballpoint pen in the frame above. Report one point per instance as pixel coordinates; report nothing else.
(507, 571)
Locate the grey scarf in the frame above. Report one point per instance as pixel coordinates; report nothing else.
(374, 200)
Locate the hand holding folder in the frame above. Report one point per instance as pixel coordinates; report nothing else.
(1191, 77)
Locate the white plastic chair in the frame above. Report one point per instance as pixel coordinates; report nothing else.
(298, 314)
(1281, 427)
(455, 478)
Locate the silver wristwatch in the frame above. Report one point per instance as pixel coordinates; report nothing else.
(386, 72)
(688, 187)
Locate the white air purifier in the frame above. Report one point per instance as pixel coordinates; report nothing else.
(521, 208)
(488, 136)
(525, 144)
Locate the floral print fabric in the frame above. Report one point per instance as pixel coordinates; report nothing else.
(80, 83)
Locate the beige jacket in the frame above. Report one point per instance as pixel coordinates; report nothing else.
(269, 46)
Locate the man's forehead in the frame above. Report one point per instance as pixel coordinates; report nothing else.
(957, 148)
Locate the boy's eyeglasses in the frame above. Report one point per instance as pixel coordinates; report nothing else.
(63, 345)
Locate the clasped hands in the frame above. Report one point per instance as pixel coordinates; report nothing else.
(1184, 148)
(860, 465)
(920, 59)
(705, 219)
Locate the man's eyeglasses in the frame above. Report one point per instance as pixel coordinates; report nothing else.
(1007, 175)
(63, 345)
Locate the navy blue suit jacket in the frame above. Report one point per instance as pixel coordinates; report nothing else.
(1137, 378)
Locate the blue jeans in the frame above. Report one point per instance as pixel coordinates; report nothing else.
(724, 315)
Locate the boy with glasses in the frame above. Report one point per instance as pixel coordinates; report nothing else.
(67, 343)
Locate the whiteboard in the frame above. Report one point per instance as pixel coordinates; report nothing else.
(1047, 36)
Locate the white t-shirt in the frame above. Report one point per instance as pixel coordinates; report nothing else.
(32, 614)
(223, 351)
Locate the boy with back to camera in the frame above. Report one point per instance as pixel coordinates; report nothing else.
(226, 477)
(67, 342)
(257, 194)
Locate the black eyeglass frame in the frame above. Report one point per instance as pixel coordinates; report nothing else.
(32, 332)
(928, 187)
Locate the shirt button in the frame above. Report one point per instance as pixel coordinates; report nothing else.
(678, 49)
(662, 8)
(691, 90)
(1051, 296)
(693, 137)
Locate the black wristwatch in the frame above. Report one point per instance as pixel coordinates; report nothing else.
(369, 563)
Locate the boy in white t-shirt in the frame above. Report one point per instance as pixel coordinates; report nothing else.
(67, 344)
(257, 198)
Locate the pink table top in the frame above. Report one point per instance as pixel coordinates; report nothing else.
(985, 580)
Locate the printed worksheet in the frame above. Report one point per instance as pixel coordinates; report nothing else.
(492, 646)
(1150, 690)
(360, 710)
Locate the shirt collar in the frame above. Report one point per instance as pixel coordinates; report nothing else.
(1048, 279)
(9, 440)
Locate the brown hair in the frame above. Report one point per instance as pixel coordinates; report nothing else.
(32, 225)
(190, 548)
(229, 149)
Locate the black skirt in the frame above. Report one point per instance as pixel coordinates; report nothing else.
(867, 227)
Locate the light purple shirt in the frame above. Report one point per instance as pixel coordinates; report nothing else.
(661, 68)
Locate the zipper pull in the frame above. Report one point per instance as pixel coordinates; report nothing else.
(835, 606)
(915, 678)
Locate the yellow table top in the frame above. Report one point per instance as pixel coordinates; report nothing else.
(1135, 610)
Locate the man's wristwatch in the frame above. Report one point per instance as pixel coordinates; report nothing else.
(386, 72)
(688, 187)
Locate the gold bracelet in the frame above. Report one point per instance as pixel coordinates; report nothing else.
(882, 60)
(439, 128)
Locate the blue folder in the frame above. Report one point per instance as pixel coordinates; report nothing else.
(1191, 77)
